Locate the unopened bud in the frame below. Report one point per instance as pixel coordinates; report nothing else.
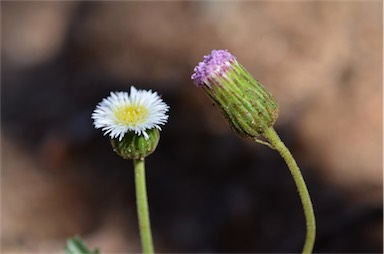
(247, 106)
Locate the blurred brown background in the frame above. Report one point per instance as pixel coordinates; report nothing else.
(209, 190)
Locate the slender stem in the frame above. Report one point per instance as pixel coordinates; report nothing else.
(276, 142)
(142, 207)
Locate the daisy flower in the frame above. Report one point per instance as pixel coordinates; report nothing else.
(136, 112)
(251, 110)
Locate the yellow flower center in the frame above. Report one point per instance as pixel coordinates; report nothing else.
(131, 114)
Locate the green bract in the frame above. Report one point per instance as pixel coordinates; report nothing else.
(248, 107)
(133, 146)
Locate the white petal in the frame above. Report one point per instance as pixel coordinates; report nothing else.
(105, 119)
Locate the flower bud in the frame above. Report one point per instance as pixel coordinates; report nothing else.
(133, 146)
(246, 105)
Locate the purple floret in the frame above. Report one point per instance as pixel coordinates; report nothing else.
(216, 63)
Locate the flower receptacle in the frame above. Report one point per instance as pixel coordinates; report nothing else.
(134, 146)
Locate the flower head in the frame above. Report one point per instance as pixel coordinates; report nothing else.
(136, 112)
(247, 106)
(215, 64)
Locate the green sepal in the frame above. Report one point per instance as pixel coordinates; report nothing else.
(248, 107)
(133, 146)
(76, 246)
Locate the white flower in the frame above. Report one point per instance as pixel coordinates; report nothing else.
(138, 111)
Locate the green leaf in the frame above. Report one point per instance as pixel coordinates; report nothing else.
(76, 246)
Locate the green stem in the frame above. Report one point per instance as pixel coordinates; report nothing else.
(142, 207)
(276, 142)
